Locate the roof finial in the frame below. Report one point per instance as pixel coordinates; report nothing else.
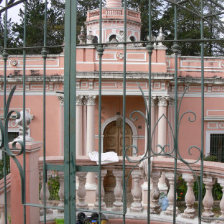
(113, 4)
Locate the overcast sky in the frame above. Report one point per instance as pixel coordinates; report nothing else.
(13, 12)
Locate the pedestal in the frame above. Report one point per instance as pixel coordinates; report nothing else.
(32, 186)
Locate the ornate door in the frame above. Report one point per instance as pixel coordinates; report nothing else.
(113, 137)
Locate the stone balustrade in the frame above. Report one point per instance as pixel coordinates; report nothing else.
(112, 12)
(186, 211)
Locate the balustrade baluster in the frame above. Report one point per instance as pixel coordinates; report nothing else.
(42, 192)
(208, 198)
(2, 218)
(118, 191)
(81, 193)
(61, 191)
(103, 205)
(221, 182)
(136, 191)
(154, 205)
(170, 196)
(189, 212)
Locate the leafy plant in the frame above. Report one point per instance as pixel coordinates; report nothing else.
(53, 186)
(59, 221)
(181, 189)
(211, 158)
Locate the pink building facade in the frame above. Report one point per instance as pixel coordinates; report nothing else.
(87, 64)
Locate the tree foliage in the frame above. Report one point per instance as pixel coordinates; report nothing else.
(35, 25)
(10, 35)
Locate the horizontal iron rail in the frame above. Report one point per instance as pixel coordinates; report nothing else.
(54, 167)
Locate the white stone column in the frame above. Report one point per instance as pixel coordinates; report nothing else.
(90, 142)
(171, 115)
(162, 132)
(79, 127)
(61, 125)
(90, 137)
(153, 100)
(162, 125)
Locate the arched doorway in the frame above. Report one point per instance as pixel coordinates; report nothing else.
(113, 137)
(113, 141)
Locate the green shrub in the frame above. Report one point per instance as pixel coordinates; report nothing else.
(211, 158)
(53, 186)
(59, 221)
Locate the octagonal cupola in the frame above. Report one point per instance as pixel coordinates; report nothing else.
(113, 23)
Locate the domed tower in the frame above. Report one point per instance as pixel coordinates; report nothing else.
(113, 23)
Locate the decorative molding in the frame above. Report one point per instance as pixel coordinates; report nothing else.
(214, 118)
(79, 100)
(162, 101)
(90, 100)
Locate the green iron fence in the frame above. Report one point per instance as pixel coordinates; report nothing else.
(70, 168)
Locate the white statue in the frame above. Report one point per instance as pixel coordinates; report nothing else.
(19, 122)
(160, 37)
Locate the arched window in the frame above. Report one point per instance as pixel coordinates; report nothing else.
(132, 38)
(113, 38)
(95, 40)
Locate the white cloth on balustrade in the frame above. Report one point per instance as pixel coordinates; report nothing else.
(106, 157)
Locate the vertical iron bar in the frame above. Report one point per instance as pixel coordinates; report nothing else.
(149, 137)
(44, 55)
(70, 113)
(5, 57)
(202, 115)
(175, 111)
(100, 53)
(24, 113)
(124, 111)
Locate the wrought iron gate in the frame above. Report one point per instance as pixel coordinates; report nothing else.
(70, 166)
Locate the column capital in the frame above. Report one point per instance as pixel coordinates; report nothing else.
(171, 101)
(61, 99)
(90, 100)
(162, 101)
(153, 100)
(79, 100)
